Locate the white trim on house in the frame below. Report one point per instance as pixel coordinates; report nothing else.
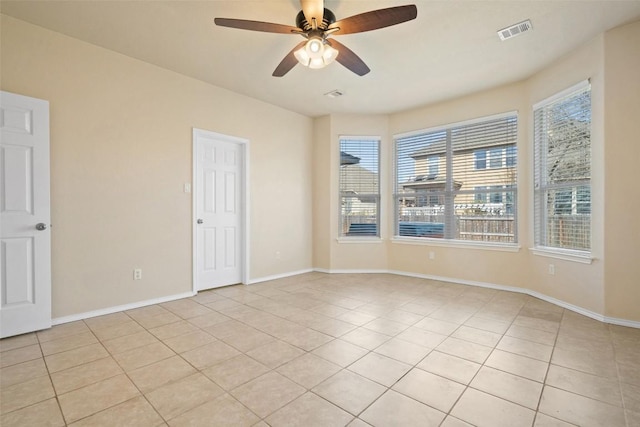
(567, 255)
(279, 276)
(453, 243)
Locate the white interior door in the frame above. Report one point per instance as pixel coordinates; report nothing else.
(25, 253)
(219, 228)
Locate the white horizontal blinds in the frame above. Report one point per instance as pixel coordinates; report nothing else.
(359, 187)
(459, 182)
(485, 179)
(421, 172)
(562, 136)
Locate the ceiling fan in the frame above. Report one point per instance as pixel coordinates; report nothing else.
(316, 24)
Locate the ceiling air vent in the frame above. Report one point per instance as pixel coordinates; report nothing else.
(515, 30)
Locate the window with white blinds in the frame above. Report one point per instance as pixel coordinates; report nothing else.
(359, 187)
(459, 182)
(562, 161)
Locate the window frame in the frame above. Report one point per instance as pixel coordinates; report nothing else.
(449, 241)
(540, 194)
(365, 238)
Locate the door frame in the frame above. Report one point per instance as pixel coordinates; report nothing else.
(244, 201)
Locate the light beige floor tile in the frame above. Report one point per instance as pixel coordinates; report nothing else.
(508, 386)
(477, 336)
(467, 350)
(570, 342)
(307, 339)
(210, 354)
(585, 361)
(340, 352)
(208, 319)
(518, 365)
(580, 410)
(629, 374)
(155, 375)
(633, 418)
(143, 356)
(438, 326)
(530, 334)
(147, 311)
(180, 396)
(43, 414)
(248, 340)
(88, 400)
(83, 375)
(543, 420)
(107, 320)
(268, 393)
(158, 320)
(134, 412)
(20, 355)
(365, 338)
(330, 310)
(448, 366)
(225, 410)
(631, 396)
(525, 348)
(481, 409)
(308, 370)
(69, 359)
(119, 330)
(349, 391)
(451, 314)
(129, 342)
(275, 353)
(406, 412)
(189, 341)
(404, 351)
(454, 422)
(357, 422)
(356, 318)
(22, 372)
(62, 331)
(380, 369)
(173, 329)
(235, 371)
(542, 324)
(422, 337)
(404, 317)
(18, 341)
(309, 410)
(490, 325)
(595, 387)
(430, 389)
(68, 343)
(386, 326)
(26, 393)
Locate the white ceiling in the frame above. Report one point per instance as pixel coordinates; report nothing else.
(451, 48)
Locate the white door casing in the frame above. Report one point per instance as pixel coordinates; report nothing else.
(25, 215)
(220, 204)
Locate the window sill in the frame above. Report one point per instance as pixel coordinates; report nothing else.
(503, 247)
(359, 239)
(564, 254)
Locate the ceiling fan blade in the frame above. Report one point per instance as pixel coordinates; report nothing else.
(288, 62)
(313, 9)
(349, 59)
(266, 27)
(375, 19)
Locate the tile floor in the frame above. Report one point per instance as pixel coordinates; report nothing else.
(328, 350)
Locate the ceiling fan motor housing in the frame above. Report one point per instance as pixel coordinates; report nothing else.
(328, 18)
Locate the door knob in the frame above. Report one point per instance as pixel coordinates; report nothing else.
(199, 221)
(41, 226)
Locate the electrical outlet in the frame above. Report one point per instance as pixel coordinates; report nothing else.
(432, 255)
(552, 269)
(137, 274)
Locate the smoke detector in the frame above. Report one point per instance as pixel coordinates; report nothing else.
(515, 30)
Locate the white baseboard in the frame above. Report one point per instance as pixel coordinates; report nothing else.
(351, 271)
(279, 276)
(111, 310)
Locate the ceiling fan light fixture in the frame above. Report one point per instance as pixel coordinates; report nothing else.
(316, 53)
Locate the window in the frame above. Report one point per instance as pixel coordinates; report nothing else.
(359, 187)
(562, 160)
(433, 165)
(511, 156)
(473, 195)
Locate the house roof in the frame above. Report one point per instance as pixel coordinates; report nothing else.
(451, 49)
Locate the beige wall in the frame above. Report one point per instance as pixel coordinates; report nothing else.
(622, 156)
(120, 154)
